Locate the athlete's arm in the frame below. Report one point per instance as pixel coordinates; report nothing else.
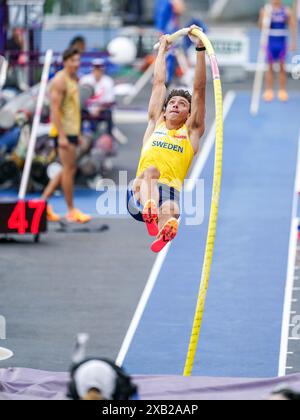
(56, 97)
(293, 28)
(196, 122)
(159, 90)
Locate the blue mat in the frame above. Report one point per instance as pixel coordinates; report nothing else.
(242, 323)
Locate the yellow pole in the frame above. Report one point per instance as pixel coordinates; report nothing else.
(210, 245)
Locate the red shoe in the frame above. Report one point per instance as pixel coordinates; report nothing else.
(150, 217)
(166, 235)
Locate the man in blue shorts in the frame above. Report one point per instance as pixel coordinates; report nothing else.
(282, 21)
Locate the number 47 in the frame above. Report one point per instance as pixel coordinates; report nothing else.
(18, 219)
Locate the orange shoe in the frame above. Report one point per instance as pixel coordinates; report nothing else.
(150, 217)
(51, 216)
(166, 235)
(269, 95)
(283, 95)
(76, 216)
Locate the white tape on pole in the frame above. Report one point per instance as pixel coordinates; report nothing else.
(35, 125)
(259, 75)
(179, 34)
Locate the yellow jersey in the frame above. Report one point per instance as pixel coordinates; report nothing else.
(70, 109)
(169, 151)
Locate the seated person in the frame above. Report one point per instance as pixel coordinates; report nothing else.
(99, 106)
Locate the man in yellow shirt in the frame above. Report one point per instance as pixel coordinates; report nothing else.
(66, 131)
(171, 141)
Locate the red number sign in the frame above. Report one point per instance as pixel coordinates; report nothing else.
(18, 220)
(39, 207)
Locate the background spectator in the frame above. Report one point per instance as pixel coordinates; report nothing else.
(99, 106)
(17, 60)
(78, 43)
(16, 46)
(135, 10)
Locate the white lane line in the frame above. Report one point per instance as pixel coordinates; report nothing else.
(294, 339)
(200, 164)
(208, 144)
(288, 299)
(284, 346)
(297, 187)
(141, 306)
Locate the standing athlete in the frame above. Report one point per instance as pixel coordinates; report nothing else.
(66, 132)
(171, 141)
(282, 21)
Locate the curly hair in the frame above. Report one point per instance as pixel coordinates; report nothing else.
(179, 92)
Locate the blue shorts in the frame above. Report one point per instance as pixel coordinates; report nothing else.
(166, 193)
(277, 49)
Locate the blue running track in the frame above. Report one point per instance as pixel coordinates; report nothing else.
(243, 318)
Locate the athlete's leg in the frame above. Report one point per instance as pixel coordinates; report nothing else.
(147, 186)
(167, 211)
(282, 76)
(53, 185)
(147, 193)
(269, 81)
(270, 77)
(68, 159)
(168, 225)
(282, 95)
